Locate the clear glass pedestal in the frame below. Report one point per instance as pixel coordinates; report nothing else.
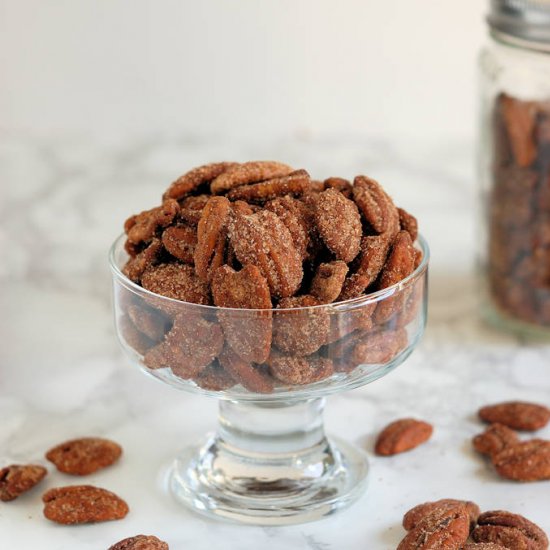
(270, 464)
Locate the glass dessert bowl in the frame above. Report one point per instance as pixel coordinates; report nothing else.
(269, 462)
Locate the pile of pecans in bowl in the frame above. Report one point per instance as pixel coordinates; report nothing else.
(263, 236)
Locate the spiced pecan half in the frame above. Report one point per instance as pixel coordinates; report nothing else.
(402, 435)
(263, 240)
(413, 517)
(376, 206)
(494, 439)
(294, 183)
(518, 415)
(443, 529)
(328, 281)
(80, 457)
(299, 370)
(82, 504)
(17, 479)
(300, 332)
(524, 461)
(176, 281)
(211, 237)
(140, 542)
(339, 224)
(248, 172)
(510, 530)
(249, 332)
(245, 373)
(192, 180)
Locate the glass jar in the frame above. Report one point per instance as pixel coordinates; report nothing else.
(514, 165)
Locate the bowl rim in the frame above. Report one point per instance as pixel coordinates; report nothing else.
(336, 307)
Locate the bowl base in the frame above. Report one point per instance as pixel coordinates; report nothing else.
(279, 488)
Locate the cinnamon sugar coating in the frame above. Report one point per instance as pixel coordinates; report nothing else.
(375, 205)
(328, 281)
(302, 332)
(339, 224)
(177, 281)
(17, 479)
(263, 240)
(191, 180)
(180, 241)
(294, 183)
(211, 236)
(292, 369)
(251, 377)
(248, 172)
(249, 335)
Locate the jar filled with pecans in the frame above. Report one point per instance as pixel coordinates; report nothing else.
(514, 165)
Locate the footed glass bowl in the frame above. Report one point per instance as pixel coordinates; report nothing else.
(269, 462)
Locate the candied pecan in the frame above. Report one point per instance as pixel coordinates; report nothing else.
(143, 227)
(413, 517)
(443, 529)
(524, 461)
(340, 184)
(150, 322)
(517, 415)
(374, 251)
(191, 208)
(294, 183)
(214, 378)
(299, 370)
(263, 240)
(80, 457)
(192, 343)
(82, 504)
(402, 435)
(245, 373)
(140, 542)
(398, 266)
(247, 332)
(248, 172)
(193, 179)
(291, 212)
(376, 206)
(407, 222)
(300, 332)
(328, 281)
(510, 530)
(135, 267)
(17, 479)
(379, 347)
(339, 224)
(494, 439)
(132, 336)
(519, 120)
(180, 241)
(211, 236)
(177, 281)
(340, 350)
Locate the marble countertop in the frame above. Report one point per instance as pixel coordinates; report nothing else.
(62, 374)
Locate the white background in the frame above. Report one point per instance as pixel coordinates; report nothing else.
(110, 69)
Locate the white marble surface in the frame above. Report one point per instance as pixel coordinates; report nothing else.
(62, 374)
